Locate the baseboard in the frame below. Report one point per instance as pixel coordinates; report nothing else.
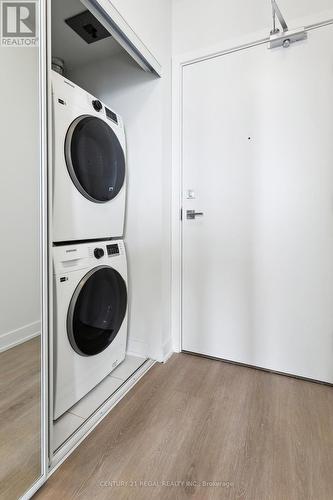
(167, 350)
(17, 337)
(136, 347)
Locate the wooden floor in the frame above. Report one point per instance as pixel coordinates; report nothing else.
(19, 419)
(259, 436)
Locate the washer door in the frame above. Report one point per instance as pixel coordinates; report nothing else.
(96, 311)
(95, 159)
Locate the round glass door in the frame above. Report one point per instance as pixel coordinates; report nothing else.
(95, 159)
(96, 311)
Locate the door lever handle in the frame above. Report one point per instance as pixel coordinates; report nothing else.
(192, 214)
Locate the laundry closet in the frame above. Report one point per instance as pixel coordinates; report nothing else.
(96, 228)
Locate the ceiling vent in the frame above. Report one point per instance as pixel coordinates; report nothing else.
(87, 27)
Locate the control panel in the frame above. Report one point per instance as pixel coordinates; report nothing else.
(113, 249)
(69, 258)
(111, 115)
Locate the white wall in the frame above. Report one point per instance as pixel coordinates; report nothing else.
(144, 101)
(199, 24)
(19, 288)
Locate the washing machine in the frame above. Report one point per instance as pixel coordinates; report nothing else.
(89, 165)
(90, 317)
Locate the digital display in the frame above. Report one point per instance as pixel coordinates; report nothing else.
(112, 249)
(110, 114)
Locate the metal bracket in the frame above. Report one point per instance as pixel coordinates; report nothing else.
(287, 37)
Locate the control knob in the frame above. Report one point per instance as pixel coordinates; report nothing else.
(99, 253)
(97, 105)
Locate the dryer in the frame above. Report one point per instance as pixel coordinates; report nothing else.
(89, 165)
(90, 317)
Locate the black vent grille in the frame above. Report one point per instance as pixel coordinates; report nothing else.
(87, 27)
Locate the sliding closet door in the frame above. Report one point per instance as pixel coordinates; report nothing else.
(22, 431)
(258, 162)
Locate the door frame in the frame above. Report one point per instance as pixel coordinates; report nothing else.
(43, 245)
(178, 64)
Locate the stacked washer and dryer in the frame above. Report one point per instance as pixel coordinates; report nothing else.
(89, 258)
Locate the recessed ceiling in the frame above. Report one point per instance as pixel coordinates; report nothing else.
(69, 46)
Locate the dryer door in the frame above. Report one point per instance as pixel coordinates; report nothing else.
(96, 311)
(95, 159)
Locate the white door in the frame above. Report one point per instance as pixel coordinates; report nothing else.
(258, 162)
